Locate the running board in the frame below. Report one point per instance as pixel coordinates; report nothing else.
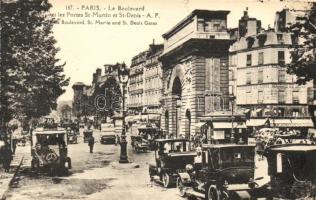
(191, 192)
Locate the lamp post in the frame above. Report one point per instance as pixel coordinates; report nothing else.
(123, 74)
(232, 99)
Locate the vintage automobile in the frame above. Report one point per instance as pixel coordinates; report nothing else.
(292, 170)
(71, 136)
(87, 134)
(49, 150)
(73, 126)
(139, 143)
(225, 171)
(171, 157)
(108, 134)
(150, 132)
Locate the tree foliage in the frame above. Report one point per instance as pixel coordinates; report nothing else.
(32, 77)
(303, 63)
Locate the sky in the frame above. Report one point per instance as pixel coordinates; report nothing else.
(85, 48)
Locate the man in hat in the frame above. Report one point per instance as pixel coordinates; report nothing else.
(91, 143)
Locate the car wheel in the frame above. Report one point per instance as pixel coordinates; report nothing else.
(34, 165)
(166, 180)
(213, 193)
(180, 187)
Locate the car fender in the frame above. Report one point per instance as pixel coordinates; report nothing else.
(185, 177)
(242, 194)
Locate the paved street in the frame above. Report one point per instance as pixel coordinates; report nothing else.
(94, 176)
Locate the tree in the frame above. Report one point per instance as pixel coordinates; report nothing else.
(32, 77)
(303, 63)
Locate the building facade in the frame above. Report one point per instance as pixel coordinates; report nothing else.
(263, 87)
(152, 80)
(195, 71)
(136, 83)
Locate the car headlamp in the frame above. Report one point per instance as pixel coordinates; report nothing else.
(189, 168)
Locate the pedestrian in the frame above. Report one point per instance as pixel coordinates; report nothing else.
(91, 144)
(7, 157)
(14, 141)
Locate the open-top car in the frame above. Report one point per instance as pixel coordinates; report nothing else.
(139, 143)
(49, 150)
(292, 170)
(171, 157)
(150, 133)
(225, 171)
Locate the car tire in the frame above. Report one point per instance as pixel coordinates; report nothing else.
(212, 193)
(69, 163)
(166, 180)
(35, 165)
(180, 187)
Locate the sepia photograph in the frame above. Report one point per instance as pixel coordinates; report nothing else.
(158, 100)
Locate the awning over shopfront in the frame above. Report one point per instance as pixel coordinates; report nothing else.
(256, 122)
(226, 125)
(200, 124)
(132, 118)
(293, 123)
(246, 111)
(154, 117)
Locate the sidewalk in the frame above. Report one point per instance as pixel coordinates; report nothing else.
(6, 178)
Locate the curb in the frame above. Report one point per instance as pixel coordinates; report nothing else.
(6, 191)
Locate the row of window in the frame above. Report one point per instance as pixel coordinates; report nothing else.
(262, 40)
(281, 58)
(281, 77)
(281, 97)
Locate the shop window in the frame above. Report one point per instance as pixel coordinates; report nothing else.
(295, 112)
(280, 112)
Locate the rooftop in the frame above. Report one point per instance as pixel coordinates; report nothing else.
(216, 14)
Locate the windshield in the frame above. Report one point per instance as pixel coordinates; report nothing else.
(171, 147)
(52, 139)
(237, 156)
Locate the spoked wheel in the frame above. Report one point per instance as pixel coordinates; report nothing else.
(166, 180)
(180, 187)
(213, 193)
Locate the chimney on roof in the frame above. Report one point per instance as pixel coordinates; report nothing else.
(246, 13)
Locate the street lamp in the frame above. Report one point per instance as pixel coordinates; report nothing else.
(123, 75)
(232, 99)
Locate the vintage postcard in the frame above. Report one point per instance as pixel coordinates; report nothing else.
(155, 99)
